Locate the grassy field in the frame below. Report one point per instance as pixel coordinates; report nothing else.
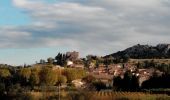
(103, 95)
(127, 96)
(166, 61)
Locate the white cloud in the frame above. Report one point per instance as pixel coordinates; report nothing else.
(22, 3)
(98, 26)
(12, 33)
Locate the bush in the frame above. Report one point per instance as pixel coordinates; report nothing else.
(2, 88)
(99, 85)
(28, 97)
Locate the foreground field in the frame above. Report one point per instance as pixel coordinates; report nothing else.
(103, 95)
(127, 96)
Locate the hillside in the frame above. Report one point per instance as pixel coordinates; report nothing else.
(144, 52)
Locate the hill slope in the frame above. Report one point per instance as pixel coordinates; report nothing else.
(144, 52)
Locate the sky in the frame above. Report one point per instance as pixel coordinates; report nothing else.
(31, 30)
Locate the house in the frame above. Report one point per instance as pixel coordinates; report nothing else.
(119, 72)
(69, 63)
(72, 56)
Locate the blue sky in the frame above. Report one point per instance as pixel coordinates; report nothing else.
(11, 15)
(26, 56)
(35, 29)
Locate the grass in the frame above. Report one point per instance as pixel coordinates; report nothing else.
(128, 96)
(166, 61)
(103, 95)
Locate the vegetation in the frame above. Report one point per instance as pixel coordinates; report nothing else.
(127, 96)
(128, 83)
(18, 81)
(53, 79)
(104, 95)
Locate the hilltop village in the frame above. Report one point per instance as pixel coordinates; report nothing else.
(103, 69)
(139, 68)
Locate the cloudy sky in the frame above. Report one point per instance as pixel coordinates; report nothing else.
(35, 29)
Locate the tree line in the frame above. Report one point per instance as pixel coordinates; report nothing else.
(32, 77)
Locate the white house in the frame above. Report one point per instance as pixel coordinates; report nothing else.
(69, 63)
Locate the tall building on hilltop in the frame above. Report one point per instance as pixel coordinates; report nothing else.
(72, 56)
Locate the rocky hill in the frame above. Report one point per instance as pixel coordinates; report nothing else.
(144, 52)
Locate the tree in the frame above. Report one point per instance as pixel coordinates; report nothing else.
(135, 83)
(48, 76)
(126, 58)
(42, 61)
(89, 79)
(99, 85)
(139, 65)
(117, 83)
(70, 74)
(24, 74)
(5, 76)
(73, 74)
(50, 60)
(61, 59)
(80, 73)
(62, 79)
(34, 78)
(4, 73)
(2, 89)
(127, 81)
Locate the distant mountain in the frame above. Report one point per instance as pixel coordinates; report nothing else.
(144, 52)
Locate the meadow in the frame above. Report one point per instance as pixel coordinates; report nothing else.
(102, 95)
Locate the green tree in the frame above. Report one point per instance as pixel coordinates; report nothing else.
(62, 79)
(89, 79)
(34, 78)
(42, 61)
(73, 74)
(70, 74)
(81, 73)
(25, 73)
(50, 60)
(2, 89)
(117, 83)
(4, 73)
(98, 85)
(48, 76)
(61, 59)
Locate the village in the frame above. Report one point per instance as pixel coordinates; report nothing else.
(69, 76)
(106, 73)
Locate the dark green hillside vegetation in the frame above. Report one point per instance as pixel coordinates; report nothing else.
(138, 51)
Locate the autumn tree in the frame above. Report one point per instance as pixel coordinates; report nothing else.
(24, 75)
(34, 77)
(70, 74)
(89, 79)
(62, 79)
(73, 74)
(48, 76)
(4, 74)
